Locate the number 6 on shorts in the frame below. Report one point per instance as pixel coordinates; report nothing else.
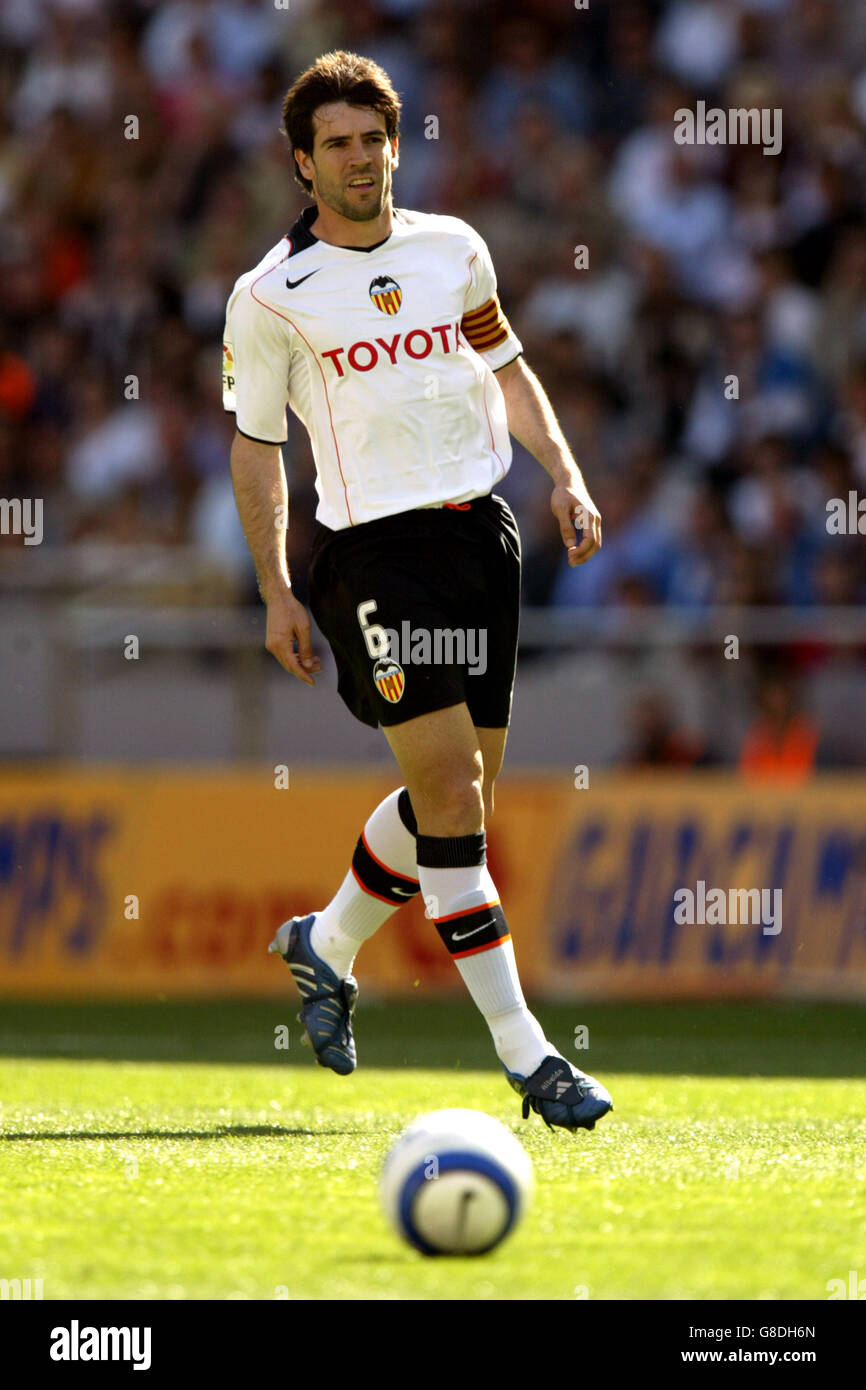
(375, 636)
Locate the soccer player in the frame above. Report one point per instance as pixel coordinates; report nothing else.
(382, 329)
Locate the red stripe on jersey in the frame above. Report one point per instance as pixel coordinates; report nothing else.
(286, 319)
(493, 448)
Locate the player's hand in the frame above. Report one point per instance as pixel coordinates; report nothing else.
(288, 637)
(575, 511)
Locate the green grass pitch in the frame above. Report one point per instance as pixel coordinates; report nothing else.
(169, 1151)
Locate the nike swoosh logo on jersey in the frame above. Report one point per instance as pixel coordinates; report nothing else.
(461, 936)
(405, 892)
(293, 284)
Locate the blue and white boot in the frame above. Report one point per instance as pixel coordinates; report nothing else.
(561, 1094)
(328, 1001)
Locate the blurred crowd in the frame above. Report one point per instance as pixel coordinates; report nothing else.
(708, 362)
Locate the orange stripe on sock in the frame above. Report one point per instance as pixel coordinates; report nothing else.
(476, 950)
(386, 867)
(370, 894)
(467, 912)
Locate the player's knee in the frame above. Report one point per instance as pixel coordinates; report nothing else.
(453, 804)
(462, 807)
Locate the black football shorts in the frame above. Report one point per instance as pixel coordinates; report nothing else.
(421, 611)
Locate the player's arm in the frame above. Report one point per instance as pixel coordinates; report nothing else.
(531, 420)
(262, 500)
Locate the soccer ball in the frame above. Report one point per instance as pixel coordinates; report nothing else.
(455, 1183)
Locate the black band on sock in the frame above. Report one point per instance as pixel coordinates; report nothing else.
(475, 930)
(405, 812)
(451, 851)
(376, 878)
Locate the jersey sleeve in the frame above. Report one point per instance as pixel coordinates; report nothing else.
(484, 326)
(256, 355)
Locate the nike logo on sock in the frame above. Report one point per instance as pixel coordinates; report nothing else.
(461, 936)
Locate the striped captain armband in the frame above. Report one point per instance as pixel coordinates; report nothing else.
(485, 328)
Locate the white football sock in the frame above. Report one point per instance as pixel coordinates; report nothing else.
(492, 980)
(465, 906)
(383, 876)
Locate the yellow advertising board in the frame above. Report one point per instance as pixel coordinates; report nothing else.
(710, 885)
(130, 882)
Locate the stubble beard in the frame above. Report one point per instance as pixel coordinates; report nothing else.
(337, 202)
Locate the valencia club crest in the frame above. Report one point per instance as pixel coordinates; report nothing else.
(386, 294)
(389, 678)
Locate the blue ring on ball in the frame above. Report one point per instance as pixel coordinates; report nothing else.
(450, 1163)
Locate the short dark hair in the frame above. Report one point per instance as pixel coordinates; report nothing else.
(338, 76)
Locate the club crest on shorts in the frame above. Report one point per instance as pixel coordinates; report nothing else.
(386, 294)
(389, 678)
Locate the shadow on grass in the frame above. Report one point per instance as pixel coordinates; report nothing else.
(754, 1038)
(218, 1132)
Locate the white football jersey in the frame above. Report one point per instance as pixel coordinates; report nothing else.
(386, 355)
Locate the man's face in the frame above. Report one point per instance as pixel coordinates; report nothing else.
(351, 161)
